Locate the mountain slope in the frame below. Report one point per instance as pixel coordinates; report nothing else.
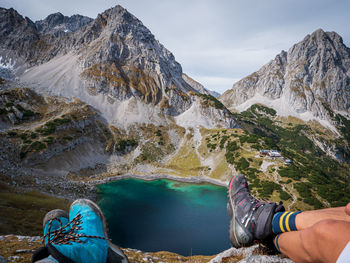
(312, 76)
(312, 178)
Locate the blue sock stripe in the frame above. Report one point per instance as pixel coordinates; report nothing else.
(275, 223)
(292, 225)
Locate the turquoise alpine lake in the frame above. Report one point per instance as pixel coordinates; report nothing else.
(166, 215)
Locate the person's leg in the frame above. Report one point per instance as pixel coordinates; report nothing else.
(310, 236)
(322, 242)
(309, 218)
(347, 209)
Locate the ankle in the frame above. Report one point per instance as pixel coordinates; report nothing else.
(284, 222)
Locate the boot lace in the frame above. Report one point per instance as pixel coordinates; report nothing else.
(66, 235)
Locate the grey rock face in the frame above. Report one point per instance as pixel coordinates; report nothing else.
(6, 73)
(314, 73)
(59, 24)
(132, 60)
(19, 36)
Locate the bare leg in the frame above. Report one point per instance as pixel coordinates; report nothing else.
(322, 242)
(309, 218)
(347, 209)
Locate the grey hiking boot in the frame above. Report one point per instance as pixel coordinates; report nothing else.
(251, 219)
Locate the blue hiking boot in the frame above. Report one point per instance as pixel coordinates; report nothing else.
(55, 221)
(86, 239)
(251, 219)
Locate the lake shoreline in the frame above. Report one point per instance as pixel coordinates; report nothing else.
(192, 179)
(142, 214)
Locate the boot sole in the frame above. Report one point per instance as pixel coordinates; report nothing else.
(239, 235)
(99, 212)
(233, 237)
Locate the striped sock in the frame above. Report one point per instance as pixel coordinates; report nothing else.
(284, 222)
(275, 242)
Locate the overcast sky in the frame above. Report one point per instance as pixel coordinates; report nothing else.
(217, 42)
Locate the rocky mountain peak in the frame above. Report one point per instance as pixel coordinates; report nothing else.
(118, 20)
(328, 47)
(120, 25)
(11, 21)
(19, 38)
(313, 76)
(54, 18)
(320, 36)
(118, 13)
(57, 23)
(118, 47)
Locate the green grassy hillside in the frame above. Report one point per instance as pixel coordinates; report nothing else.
(318, 179)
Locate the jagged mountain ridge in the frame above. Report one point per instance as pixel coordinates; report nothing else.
(57, 23)
(113, 63)
(312, 76)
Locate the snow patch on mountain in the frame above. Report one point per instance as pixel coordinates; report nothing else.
(10, 64)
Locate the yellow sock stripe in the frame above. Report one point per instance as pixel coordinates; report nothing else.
(287, 221)
(281, 221)
(275, 241)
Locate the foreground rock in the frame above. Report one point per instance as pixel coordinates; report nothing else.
(20, 249)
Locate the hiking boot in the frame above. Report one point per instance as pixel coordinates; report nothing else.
(85, 240)
(54, 221)
(251, 219)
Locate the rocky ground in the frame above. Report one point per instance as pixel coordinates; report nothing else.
(20, 249)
